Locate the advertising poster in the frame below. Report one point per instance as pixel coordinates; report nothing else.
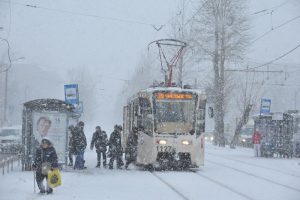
(51, 125)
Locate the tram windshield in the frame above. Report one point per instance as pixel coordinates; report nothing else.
(174, 113)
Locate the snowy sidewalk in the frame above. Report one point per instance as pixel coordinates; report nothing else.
(228, 174)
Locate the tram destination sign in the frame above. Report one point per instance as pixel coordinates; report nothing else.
(172, 95)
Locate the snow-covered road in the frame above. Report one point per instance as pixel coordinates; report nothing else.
(228, 175)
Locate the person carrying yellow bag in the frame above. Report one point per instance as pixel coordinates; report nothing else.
(54, 178)
(46, 166)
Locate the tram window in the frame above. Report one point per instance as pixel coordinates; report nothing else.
(201, 114)
(200, 128)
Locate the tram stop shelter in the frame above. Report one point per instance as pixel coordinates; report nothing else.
(277, 133)
(45, 118)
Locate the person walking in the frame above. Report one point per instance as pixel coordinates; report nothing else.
(71, 145)
(131, 150)
(256, 139)
(115, 147)
(79, 142)
(100, 141)
(45, 160)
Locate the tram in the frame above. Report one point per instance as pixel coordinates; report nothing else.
(170, 123)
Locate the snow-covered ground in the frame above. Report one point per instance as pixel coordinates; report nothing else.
(228, 175)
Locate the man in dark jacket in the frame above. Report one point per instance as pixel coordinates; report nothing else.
(79, 142)
(71, 145)
(115, 147)
(45, 160)
(131, 150)
(100, 141)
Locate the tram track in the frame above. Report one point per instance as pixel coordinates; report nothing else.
(170, 186)
(231, 189)
(220, 184)
(254, 175)
(256, 165)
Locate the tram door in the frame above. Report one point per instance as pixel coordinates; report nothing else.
(145, 127)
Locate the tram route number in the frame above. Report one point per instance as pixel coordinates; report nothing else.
(164, 148)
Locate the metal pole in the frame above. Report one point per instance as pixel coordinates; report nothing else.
(5, 97)
(295, 103)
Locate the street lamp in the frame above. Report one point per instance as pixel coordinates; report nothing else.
(5, 88)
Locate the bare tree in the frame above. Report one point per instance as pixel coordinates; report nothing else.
(248, 96)
(181, 30)
(221, 36)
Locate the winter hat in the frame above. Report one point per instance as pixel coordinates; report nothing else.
(120, 127)
(46, 140)
(81, 123)
(71, 127)
(98, 127)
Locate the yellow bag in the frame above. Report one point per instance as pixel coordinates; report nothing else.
(54, 178)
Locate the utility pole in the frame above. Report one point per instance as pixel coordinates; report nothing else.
(296, 94)
(5, 97)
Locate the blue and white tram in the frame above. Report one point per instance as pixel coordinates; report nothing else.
(170, 124)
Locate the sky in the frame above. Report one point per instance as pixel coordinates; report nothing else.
(108, 37)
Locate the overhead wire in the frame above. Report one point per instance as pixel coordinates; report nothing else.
(274, 60)
(86, 14)
(274, 28)
(197, 11)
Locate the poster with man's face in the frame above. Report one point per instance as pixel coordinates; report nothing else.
(51, 125)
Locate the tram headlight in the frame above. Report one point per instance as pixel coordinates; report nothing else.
(186, 142)
(163, 142)
(244, 140)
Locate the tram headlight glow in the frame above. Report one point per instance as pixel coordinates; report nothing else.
(186, 142)
(163, 142)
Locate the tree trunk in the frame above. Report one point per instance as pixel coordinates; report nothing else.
(241, 123)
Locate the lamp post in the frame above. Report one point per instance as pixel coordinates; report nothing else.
(5, 89)
(295, 103)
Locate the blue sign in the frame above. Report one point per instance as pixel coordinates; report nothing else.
(79, 107)
(71, 94)
(265, 106)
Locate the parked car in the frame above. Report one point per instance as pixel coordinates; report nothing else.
(10, 139)
(209, 137)
(245, 138)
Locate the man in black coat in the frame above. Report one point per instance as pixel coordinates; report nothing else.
(100, 142)
(79, 142)
(131, 150)
(71, 145)
(45, 160)
(115, 147)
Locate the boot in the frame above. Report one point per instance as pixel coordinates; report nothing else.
(49, 191)
(98, 165)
